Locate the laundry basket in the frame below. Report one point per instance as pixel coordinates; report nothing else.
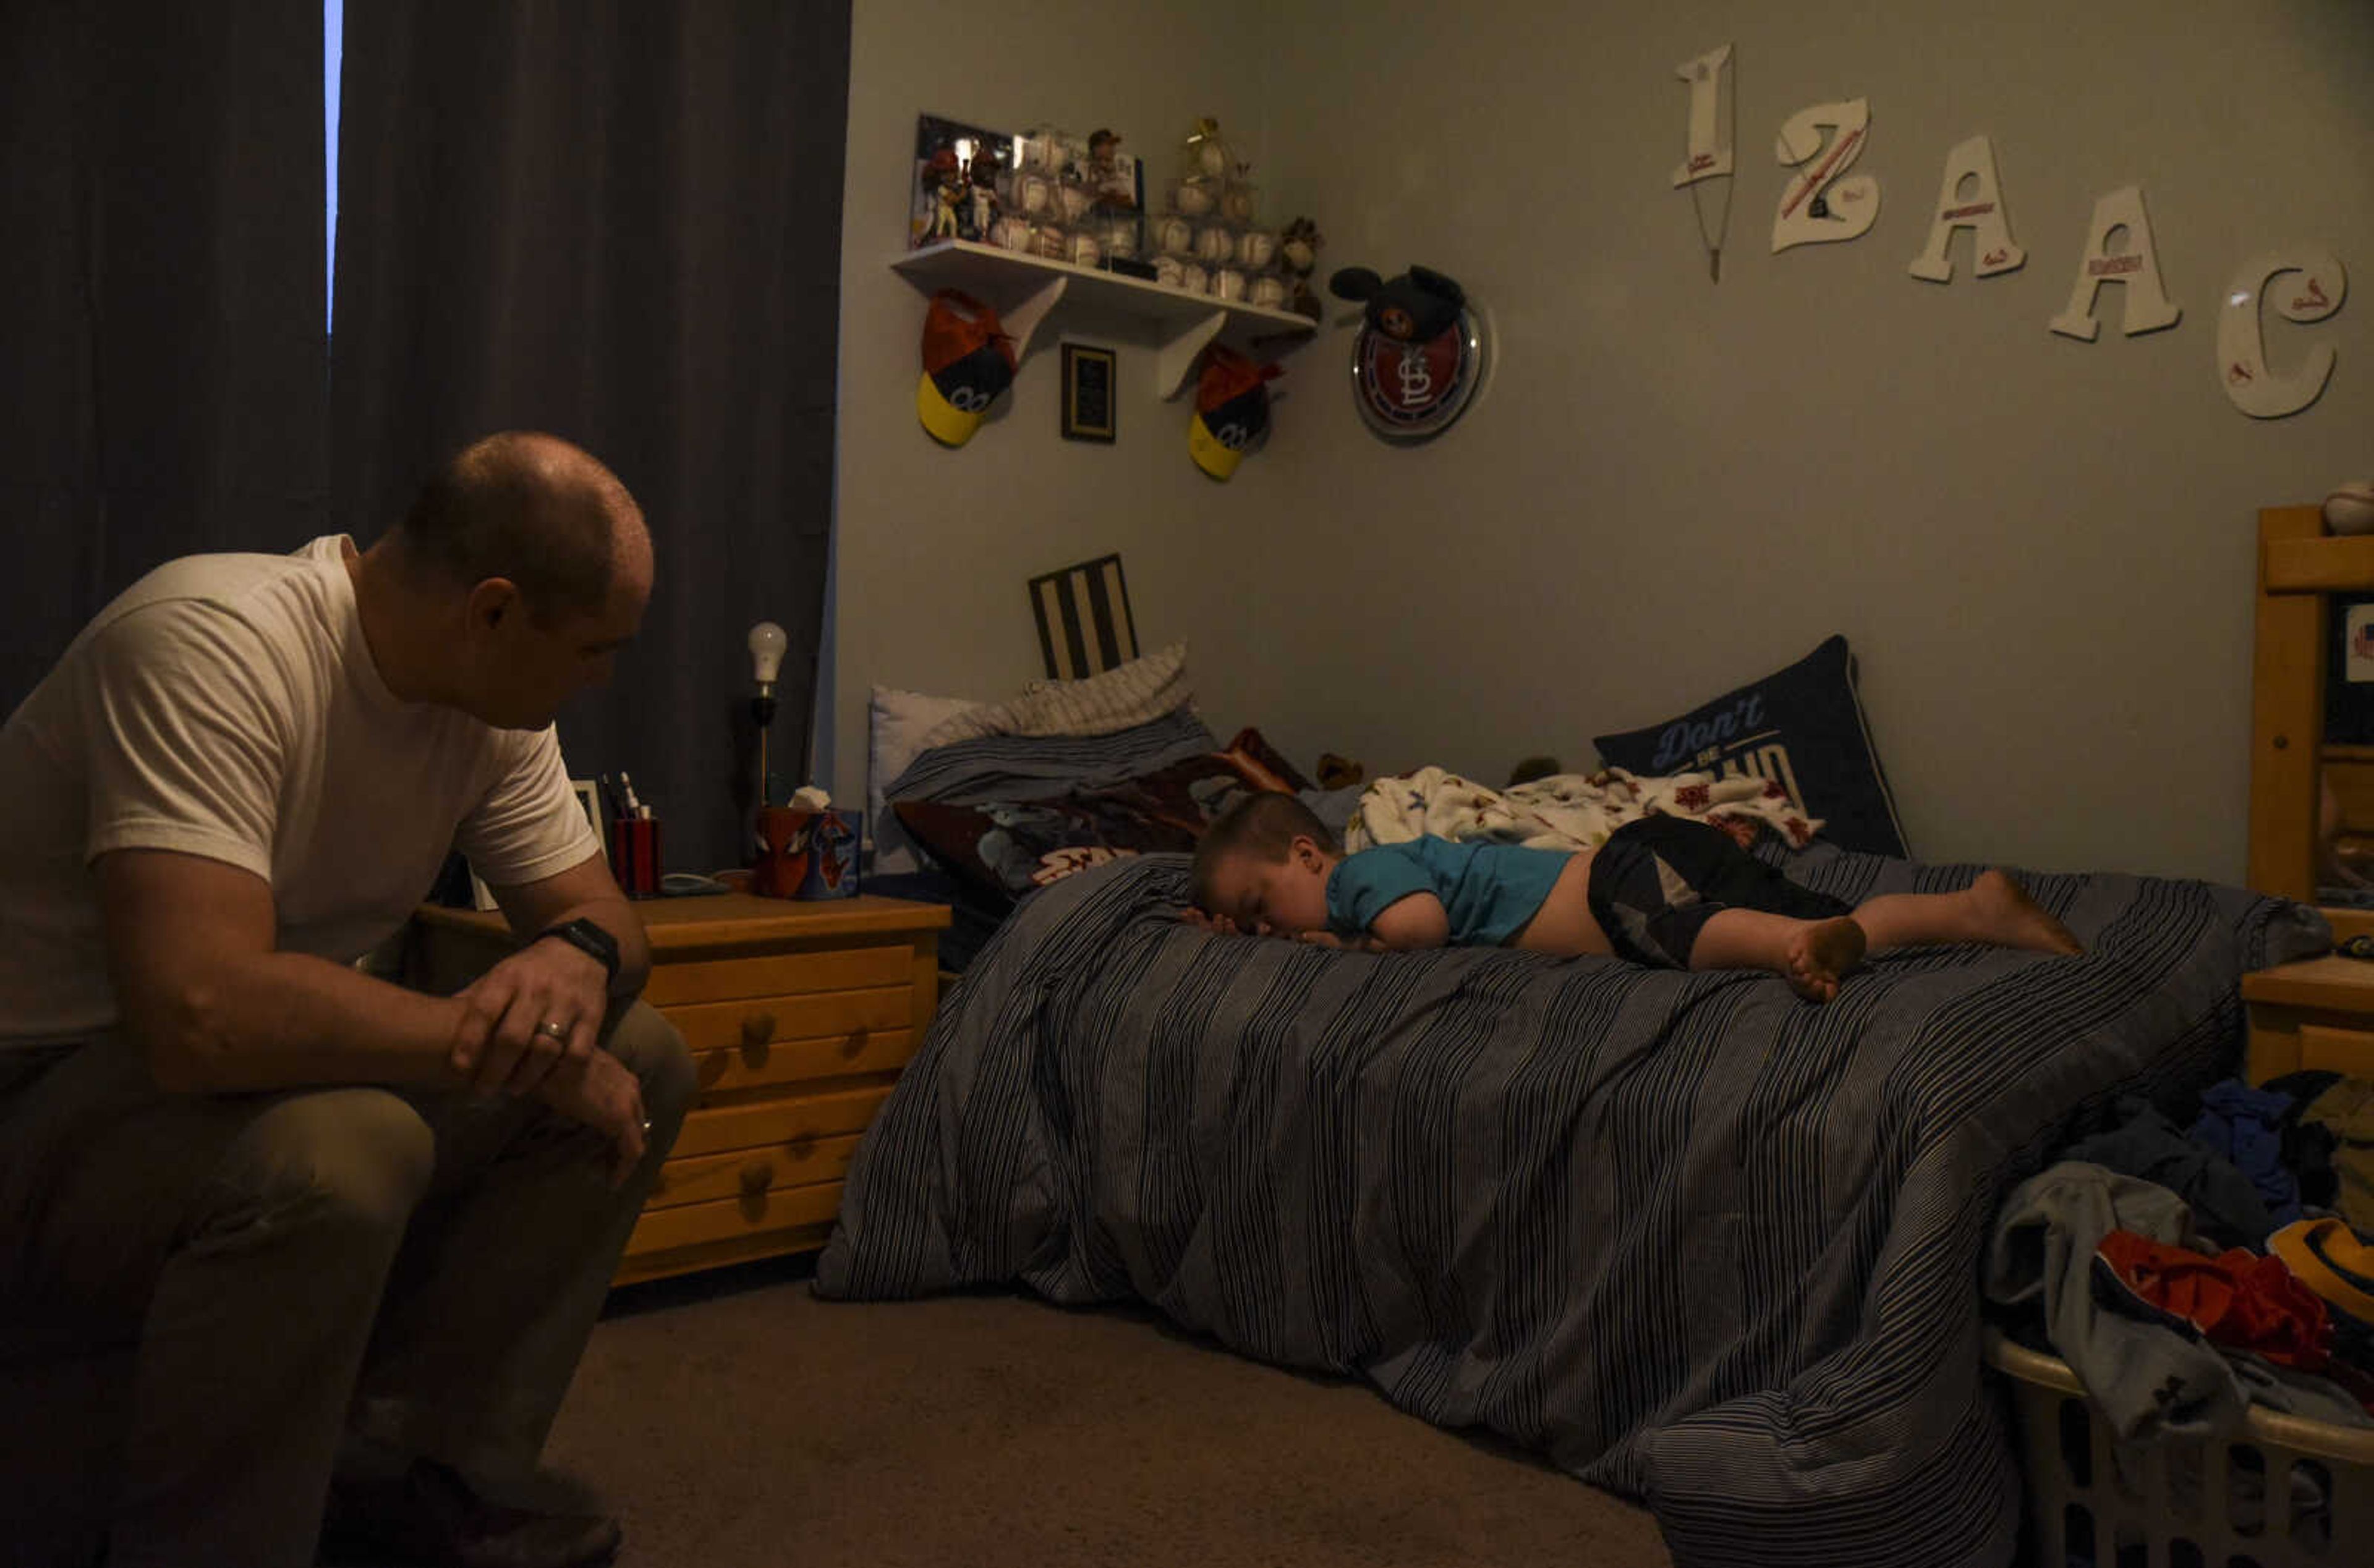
(2286, 1492)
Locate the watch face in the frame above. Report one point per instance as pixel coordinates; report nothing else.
(591, 938)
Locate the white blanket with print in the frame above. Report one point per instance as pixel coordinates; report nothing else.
(1567, 811)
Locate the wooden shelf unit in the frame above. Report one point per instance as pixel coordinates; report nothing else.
(2300, 566)
(1024, 290)
(2318, 1012)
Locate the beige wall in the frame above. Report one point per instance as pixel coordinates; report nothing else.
(933, 546)
(2041, 548)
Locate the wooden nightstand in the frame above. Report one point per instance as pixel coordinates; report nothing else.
(798, 1015)
(2317, 1014)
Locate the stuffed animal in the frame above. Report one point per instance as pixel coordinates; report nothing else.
(1416, 307)
(1533, 768)
(1298, 254)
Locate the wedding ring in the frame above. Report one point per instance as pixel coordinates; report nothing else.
(558, 1031)
(647, 1126)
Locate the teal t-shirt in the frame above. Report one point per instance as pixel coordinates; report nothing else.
(1489, 890)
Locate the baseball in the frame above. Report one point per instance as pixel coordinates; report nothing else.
(1012, 233)
(1120, 238)
(1192, 279)
(1228, 284)
(2350, 508)
(1237, 203)
(1037, 193)
(1214, 244)
(1177, 236)
(1192, 197)
(1211, 157)
(1268, 291)
(1255, 247)
(1168, 273)
(1048, 242)
(1076, 200)
(1083, 251)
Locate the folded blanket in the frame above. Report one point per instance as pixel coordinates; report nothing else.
(1569, 811)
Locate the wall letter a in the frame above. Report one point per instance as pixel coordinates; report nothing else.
(2137, 266)
(1992, 248)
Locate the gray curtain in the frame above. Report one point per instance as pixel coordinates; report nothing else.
(618, 221)
(162, 363)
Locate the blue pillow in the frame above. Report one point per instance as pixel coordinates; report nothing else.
(1804, 726)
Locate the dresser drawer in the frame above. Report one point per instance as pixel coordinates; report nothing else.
(805, 1116)
(711, 1025)
(747, 1172)
(779, 974)
(729, 1219)
(2325, 1049)
(770, 1063)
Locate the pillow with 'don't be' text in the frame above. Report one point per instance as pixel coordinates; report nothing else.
(1802, 726)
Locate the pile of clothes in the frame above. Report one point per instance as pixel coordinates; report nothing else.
(2187, 1272)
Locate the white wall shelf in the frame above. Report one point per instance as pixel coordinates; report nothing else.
(1024, 290)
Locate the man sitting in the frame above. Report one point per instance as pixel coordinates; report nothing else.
(347, 1226)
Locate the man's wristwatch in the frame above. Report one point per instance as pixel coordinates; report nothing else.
(586, 937)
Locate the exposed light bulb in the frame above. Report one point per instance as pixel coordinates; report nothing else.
(766, 645)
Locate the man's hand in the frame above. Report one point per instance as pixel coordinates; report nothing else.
(503, 1045)
(600, 1093)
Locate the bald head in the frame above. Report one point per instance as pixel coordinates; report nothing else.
(531, 508)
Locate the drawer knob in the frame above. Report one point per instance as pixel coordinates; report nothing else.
(799, 1146)
(756, 1178)
(859, 1038)
(758, 1028)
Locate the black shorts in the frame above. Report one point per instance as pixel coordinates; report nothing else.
(1656, 883)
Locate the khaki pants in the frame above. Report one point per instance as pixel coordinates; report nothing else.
(419, 1268)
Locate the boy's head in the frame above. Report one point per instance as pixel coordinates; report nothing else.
(1264, 863)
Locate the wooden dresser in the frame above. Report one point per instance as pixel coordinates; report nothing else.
(798, 1015)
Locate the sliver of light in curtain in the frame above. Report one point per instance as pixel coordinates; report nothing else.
(334, 31)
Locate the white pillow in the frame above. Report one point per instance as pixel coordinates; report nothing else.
(899, 720)
(1120, 699)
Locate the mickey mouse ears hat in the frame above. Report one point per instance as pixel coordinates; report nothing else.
(1416, 307)
(1231, 410)
(968, 360)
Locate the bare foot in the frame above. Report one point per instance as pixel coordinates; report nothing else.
(1819, 952)
(2007, 917)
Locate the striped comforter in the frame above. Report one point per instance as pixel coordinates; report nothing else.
(1699, 1242)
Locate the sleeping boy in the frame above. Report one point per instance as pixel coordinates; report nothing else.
(1665, 891)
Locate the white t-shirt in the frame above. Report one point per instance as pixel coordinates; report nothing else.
(228, 706)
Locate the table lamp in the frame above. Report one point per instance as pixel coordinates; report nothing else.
(767, 643)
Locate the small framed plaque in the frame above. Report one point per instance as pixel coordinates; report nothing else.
(1087, 393)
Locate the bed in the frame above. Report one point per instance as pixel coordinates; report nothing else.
(1694, 1240)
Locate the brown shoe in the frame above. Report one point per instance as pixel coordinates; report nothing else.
(430, 1517)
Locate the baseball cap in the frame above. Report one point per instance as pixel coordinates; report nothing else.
(1231, 410)
(968, 360)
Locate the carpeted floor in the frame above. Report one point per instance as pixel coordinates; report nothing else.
(734, 1419)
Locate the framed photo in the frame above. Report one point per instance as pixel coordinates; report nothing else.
(1085, 627)
(955, 181)
(1089, 414)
